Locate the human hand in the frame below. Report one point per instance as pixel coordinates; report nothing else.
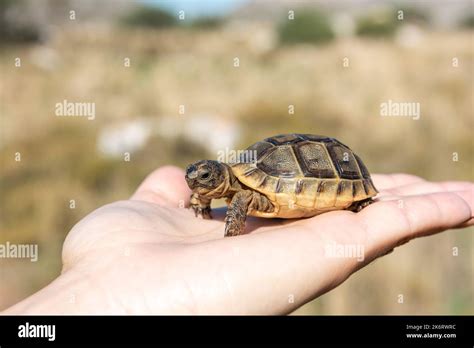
(147, 255)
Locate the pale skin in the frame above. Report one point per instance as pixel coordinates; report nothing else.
(148, 255)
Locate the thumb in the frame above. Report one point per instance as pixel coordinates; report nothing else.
(164, 186)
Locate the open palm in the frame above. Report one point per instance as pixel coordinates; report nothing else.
(150, 255)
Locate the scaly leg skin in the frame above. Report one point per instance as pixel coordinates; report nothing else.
(201, 206)
(237, 213)
(358, 206)
(240, 205)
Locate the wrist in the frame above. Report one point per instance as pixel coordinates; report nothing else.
(69, 293)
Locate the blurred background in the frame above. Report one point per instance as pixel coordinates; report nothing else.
(175, 87)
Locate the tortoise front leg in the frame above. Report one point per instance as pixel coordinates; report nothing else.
(237, 213)
(201, 206)
(241, 204)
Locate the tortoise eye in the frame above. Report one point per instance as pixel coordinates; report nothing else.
(205, 175)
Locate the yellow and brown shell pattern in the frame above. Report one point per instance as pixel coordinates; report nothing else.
(304, 175)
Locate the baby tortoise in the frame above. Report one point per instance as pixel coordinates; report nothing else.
(292, 176)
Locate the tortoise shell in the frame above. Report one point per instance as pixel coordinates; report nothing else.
(304, 175)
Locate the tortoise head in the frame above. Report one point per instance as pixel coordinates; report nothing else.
(206, 176)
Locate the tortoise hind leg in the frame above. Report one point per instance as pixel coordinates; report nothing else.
(359, 205)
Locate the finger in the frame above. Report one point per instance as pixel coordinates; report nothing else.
(392, 223)
(387, 181)
(425, 187)
(283, 264)
(165, 186)
(292, 264)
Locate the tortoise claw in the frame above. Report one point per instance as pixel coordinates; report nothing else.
(204, 213)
